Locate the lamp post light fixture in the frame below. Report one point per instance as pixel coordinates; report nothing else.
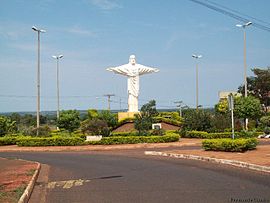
(245, 59)
(57, 82)
(245, 54)
(38, 75)
(197, 83)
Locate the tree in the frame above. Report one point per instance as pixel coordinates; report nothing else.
(247, 107)
(108, 117)
(259, 86)
(95, 127)
(69, 120)
(197, 120)
(92, 113)
(222, 106)
(7, 126)
(143, 121)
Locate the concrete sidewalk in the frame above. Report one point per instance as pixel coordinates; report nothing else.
(259, 156)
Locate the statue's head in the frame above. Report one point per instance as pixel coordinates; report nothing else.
(132, 59)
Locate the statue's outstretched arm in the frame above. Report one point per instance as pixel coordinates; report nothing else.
(144, 69)
(119, 70)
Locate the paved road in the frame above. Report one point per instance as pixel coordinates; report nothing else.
(129, 176)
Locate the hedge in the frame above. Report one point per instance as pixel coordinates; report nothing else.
(49, 141)
(230, 145)
(134, 140)
(206, 135)
(124, 134)
(7, 140)
(135, 133)
(159, 119)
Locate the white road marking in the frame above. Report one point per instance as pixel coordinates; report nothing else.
(67, 184)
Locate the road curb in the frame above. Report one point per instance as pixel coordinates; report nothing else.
(240, 164)
(27, 192)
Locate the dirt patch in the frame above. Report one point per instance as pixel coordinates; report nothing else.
(14, 178)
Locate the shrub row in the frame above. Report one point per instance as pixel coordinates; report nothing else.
(7, 140)
(206, 135)
(134, 140)
(168, 121)
(230, 145)
(49, 141)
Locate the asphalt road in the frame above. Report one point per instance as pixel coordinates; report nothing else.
(129, 176)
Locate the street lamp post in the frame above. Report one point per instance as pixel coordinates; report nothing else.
(197, 80)
(57, 81)
(38, 75)
(245, 59)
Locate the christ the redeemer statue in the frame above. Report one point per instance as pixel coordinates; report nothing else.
(133, 70)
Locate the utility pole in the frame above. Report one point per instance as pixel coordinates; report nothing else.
(180, 106)
(109, 100)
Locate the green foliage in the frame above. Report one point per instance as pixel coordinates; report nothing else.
(265, 120)
(44, 131)
(266, 130)
(222, 107)
(159, 119)
(197, 120)
(220, 122)
(8, 140)
(247, 107)
(170, 115)
(135, 139)
(124, 121)
(230, 145)
(206, 135)
(7, 126)
(259, 86)
(95, 127)
(124, 134)
(108, 117)
(143, 121)
(69, 120)
(158, 132)
(49, 141)
(92, 114)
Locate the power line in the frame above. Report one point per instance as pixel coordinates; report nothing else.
(232, 15)
(235, 11)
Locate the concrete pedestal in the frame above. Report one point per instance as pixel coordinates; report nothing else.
(123, 115)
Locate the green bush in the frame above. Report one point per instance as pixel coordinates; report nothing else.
(49, 141)
(157, 132)
(159, 119)
(230, 145)
(124, 134)
(134, 140)
(44, 131)
(206, 135)
(7, 140)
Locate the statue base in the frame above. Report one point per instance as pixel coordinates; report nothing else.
(124, 115)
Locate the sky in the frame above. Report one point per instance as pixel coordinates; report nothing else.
(96, 34)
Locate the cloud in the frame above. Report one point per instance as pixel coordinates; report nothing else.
(105, 4)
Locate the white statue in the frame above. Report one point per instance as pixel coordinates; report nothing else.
(133, 70)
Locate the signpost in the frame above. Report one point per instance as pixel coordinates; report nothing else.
(231, 107)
